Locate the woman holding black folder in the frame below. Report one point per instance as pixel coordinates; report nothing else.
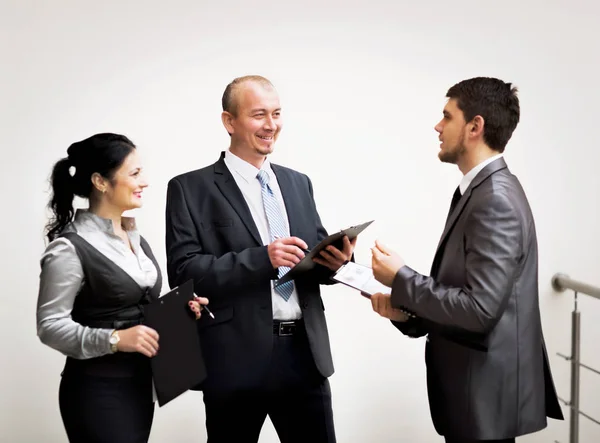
(97, 273)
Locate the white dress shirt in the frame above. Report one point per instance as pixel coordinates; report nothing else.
(244, 175)
(469, 176)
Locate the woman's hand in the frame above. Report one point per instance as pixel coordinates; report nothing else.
(196, 305)
(140, 339)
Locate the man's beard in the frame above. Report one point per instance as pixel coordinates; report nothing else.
(454, 154)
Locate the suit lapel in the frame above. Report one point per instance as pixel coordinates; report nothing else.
(230, 190)
(485, 173)
(287, 191)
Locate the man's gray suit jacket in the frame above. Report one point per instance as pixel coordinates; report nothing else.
(488, 375)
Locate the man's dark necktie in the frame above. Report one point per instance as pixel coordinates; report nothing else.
(438, 256)
(455, 198)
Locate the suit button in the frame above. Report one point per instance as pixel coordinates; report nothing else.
(304, 305)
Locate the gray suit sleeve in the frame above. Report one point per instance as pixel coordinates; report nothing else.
(493, 248)
(413, 327)
(60, 280)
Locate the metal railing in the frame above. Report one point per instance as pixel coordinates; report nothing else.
(561, 282)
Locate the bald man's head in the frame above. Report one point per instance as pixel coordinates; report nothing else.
(230, 100)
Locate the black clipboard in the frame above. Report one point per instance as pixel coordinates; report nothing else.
(307, 263)
(361, 278)
(178, 365)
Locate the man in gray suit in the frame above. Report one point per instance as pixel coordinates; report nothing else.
(488, 377)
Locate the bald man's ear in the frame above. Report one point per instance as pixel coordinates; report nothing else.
(227, 120)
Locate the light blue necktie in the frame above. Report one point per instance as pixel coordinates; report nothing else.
(277, 228)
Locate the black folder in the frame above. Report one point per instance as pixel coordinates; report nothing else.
(361, 277)
(307, 263)
(178, 365)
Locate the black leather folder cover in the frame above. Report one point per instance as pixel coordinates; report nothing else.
(307, 263)
(178, 365)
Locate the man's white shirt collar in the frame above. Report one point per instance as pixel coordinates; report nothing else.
(247, 171)
(469, 176)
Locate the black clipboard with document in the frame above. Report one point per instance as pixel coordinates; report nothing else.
(361, 277)
(178, 365)
(307, 263)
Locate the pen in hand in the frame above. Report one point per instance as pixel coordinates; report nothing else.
(205, 308)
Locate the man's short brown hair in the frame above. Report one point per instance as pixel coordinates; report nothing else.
(495, 101)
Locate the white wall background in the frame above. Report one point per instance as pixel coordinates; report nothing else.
(362, 85)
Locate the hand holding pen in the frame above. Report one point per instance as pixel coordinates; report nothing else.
(286, 251)
(198, 304)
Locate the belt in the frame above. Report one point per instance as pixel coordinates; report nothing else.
(287, 328)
